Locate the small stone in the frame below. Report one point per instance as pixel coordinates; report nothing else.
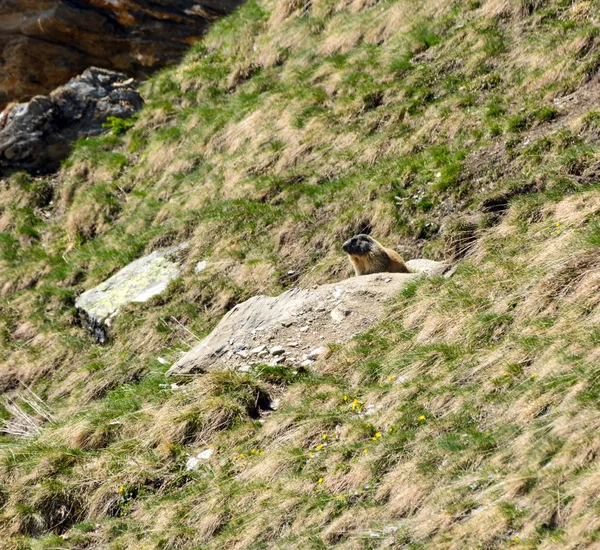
(388, 280)
(275, 404)
(337, 292)
(245, 368)
(263, 353)
(258, 349)
(292, 344)
(315, 353)
(277, 350)
(205, 455)
(287, 323)
(161, 360)
(174, 386)
(306, 363)
(304, 328)
(339, 314)
(276, 360)
(200, 266)
(244, 354)
(192, 464)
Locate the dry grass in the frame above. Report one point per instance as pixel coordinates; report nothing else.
(468, 418)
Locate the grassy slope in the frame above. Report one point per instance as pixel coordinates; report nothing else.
(431, 124)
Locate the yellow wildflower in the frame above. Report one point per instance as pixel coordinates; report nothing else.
(422, 417)
(378, 434)
(320, 480)
(324, 436)
(319, 447)
(365, 451)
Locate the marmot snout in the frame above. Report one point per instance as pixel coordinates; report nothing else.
(368, 256)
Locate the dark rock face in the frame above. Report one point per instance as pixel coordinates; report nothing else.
(43, 43)
(37, 135)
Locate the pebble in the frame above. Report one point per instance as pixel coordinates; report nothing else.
(195, 461)
(245, 368)
(277, 350)
(339, 314)
(257, 350)
(304, 328)
(200, 266)
(306, 363)
(275, 404)
(315, 353)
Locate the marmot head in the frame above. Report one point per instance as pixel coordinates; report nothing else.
(359, 245)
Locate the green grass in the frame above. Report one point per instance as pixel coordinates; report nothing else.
(465, 418)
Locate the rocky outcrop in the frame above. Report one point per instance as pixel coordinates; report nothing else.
(37, 135)
(295, 327)
(137, 282)
(43, 43)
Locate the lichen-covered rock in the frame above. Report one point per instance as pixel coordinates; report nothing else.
(137, 282)
(298, 323)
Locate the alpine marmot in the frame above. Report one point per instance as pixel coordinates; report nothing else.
(368, 256)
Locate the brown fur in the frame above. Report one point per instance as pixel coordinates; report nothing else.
(378, 260)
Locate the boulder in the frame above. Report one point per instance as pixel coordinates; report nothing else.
(299, 319)
(427, 267)
(37, 135)
(137, 282)
(43, 43)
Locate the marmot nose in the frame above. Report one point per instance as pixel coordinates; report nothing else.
(346, 246)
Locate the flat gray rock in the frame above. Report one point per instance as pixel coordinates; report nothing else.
(137, 282)
(298, 321)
